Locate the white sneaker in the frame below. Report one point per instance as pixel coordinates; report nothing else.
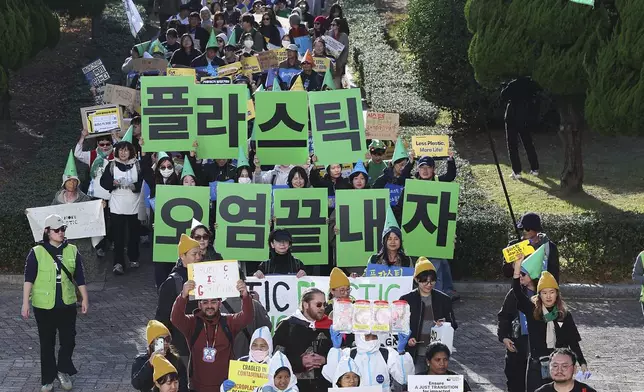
(515, 176)
(118, 269)
(65, 381)
(47, 388)
(534, 172)
(134, 264)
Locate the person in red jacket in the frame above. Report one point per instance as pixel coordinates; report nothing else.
(210, 335)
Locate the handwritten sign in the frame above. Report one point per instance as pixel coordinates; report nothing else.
(513, 252)
(214, 279)
(145, 65)
(431, 145)
(321, 64)
(182, 72)
(382, 126)
(247, 375)
(445, 383)
(120, 95)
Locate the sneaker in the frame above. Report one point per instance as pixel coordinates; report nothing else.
(134, 264)
(515, 176)
(534, 172)
(100, 252)
(47, 388)
(65, 381)
(118, 269)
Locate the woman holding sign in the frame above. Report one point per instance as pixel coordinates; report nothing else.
(282, 261)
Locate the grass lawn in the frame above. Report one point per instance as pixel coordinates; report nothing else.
(612, 173)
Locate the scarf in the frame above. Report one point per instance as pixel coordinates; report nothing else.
(98, 162)
(549, 318)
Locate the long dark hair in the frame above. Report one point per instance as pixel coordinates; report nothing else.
(382, 253)
(297, 170)
(192, 42)
(335, 7)
(158, 178)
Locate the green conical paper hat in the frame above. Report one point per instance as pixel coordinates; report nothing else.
(391, 221)
(157, 47)
(142, 47)
(161, 155)
(128, 135)
(259, 89)
(533, 264)
(328, 80)
(276, 85)
(400, 152)
(70, 168)
(241, 159)
(232, 40)
(212, 41)
(187, 169)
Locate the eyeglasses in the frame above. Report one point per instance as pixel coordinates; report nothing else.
(105, 144)
(221, 41)
(168, 339)
(344, 291)
(58, 230)
(318, 304)
(426, 280)
(204, 237)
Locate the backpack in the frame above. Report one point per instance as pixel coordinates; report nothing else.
(195, 335)
(383, 351)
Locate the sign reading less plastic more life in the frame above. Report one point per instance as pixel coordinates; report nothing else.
(243, 220)
(175, 207)
(431, 145)
(382, 126)
(82, 219)
(436, 383)
(247, 376)
(214, 279)
(337, 126)
(282, 132)
(304, 213)
(360, 217)
(429, 218)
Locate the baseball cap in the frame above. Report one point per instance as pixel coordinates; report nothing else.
(54, 221)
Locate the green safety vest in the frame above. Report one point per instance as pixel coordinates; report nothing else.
(43, 293)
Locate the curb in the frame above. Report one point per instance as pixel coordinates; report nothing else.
(571, 290)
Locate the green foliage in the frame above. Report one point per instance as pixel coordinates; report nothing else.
(77, 8)
(387, 85)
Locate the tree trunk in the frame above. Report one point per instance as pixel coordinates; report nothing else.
(570, 131)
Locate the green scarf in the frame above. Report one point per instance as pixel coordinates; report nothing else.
(551, 315)
(98, 162)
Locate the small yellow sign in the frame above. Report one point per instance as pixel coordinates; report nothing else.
(251, 65)
(247, 375)
(105, 120)
(512, 253)
(431, 145)
(321, 64)
(229, 69)
(182, 72)
(250, 109)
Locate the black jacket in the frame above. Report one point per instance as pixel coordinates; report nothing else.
(522, 110)
(326, 182)
(506, 327)
(272, 33)
(180, 57)
(441, 306)
(387, 176)
(312, 82)
(281, 265)
(567, 334)
(202, 61)
(553, 258)
(213, 172)
(202, 35)
(142, 373)
(579, 387)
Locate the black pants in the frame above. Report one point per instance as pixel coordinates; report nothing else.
(125, 226)
(512, 134)
(533, 375)
(516, 364)
(49, 321)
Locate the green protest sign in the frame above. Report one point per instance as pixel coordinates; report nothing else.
(168, 122)
(338, 126)
(282, 131)
(429, 218)
(304, 213)
(243, 220)
(220, 119)
(360, 217)
(175, 207)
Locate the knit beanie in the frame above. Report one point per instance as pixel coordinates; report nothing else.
(186, 243)
(155, 329)
(338, 278)
(161, 367)
(422, 265)
(547, 281)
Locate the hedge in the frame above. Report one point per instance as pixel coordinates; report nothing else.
(380, 69)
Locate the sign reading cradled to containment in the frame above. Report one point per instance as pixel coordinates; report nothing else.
(304, 213)
(214, 279)
(429, 218)
(360, 217)
(175, 207)
(82, 219)
(243, 221)
(247, 375)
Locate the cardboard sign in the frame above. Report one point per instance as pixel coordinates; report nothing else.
(321, 64)
(119, 95)
(436, 383)
(82, 219)
(247, 375)
(214, 279)
(154, 64)
(267, 60)
(281, 54)
(303, 212)
(431, 145)
(181, 72)
(513, 252)
(243, 221)
(177, 206)
(251, 65)
(429, 218)
(382, 126)
(108, 119)
(95, 73)
(360, 217)
(282, 131)
(333, 47)
(229, 69)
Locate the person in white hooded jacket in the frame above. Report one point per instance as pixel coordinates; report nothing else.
(347, 374)
(261, 347)
(280, 375)
(377, 365)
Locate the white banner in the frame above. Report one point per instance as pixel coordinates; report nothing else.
(214, 279)
(333, 46)
(82, 219)
(133, 17)
(357, 389)
(436, 383)
(280, 294)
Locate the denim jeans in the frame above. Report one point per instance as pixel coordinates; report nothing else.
(443, 275)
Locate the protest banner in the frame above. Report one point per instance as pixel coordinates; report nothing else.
(221, 120)
(386, 271)
(429, 218)
(247, 376)
(181, 72)
(382, 126)
(229, 69)
(267, 59)
(82, 219)
(95, 73)
(394, 193)
(108, 119)
(447, 383)
(146, 65)
(216, 80)
(360, 217)
(168, 122)
(214, 279)
(333, 46)
(177, 206)
(251, 64)
(431, 145)
(133, 17)
(321, 64)
(303, 212)
(243, 221)
(287, 74)
(357, 389)
(282, 131)
(119, 95)
(281, 55)
(337, 126)
(280, 294)
(513, 252)
(304, 44)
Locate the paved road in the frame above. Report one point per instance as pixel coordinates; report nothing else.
(114, 331)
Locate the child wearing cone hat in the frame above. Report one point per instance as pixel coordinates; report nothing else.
(550, 326)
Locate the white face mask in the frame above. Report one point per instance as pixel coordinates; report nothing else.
(248, 44)
(166, 173)
(245, 180)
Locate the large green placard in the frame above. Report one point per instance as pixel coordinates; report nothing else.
(243, 221)
(429, 218)
(175, 207)
(282, 127)
(168, 122)
(360, 218)
(220, 119)
(338, 126)
(304, 213)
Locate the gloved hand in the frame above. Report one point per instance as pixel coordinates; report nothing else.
(402, 342)
(336, 338)
(228, 385)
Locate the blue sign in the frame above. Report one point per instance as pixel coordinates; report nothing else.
(146, 195)
(213, 189)
(303, 44)
(287, 74)
(394, 193)
(380, 270)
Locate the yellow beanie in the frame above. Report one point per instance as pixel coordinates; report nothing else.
(155, 329)
(161, 367)
(422, 265)
(338, 278)
(186, 243)
(547, 281)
